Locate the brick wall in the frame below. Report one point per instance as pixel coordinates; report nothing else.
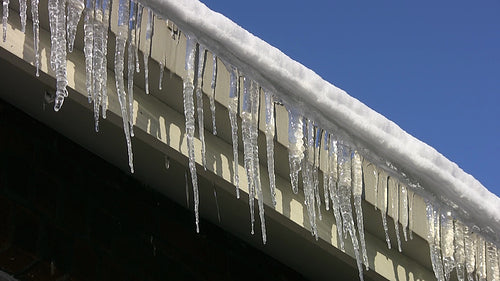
(66, 214)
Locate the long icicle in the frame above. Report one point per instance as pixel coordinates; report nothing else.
(57, 20)
(270, 128)
(432, 238)
(131, 63)
(104, 67)
(121, 40)
(382, 184)
(403, 194)
(233, 118)
(357, 191)
(23, 7)
(88, 41)
(97, 60)
(394, 192)
(295, 146)
(470, 253)
(147, 48)
(211, 96)
(188, 89)
(459, 250)
(202, 53)
(5, 18)
(334, 196)
(75, 9)
(246, 134)
(447, 246)
(36, 34)
(307, 176)
(326, 172)
(315, 170)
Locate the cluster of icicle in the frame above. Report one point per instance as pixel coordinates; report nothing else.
(452, 244)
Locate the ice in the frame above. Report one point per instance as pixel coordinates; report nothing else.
(447, 246)
(36, 34)
(459, 250)
(57, 23)
(5, 18)
(317, 146)
(121, 40)
(104, 66)
(249, 128)
(433, 240)
(88, 41)
(98, 59)
(470, 253)
(492, 262)
(202, 53)
(131, 63)
(233, 118)
(375, 187)
(270, 128)
(211, 95)
(403, 194)
(147, 48)
(357, 190)
(75, 9)
(394, 189)
(411, 197)
(344, 191)
(307, 176)
(480, 258)
(295, 146)
(138, 24)
(23, 7)
(326, 172)
(382, 186)
(332, 184)
(188, 88)
(160, 79)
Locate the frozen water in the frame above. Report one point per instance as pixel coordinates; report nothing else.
(5, 18)
(270, 128)
(433, 240)
(88, 41)
(404, 210)
(233, 118)
(332, 184)
(395, 209)
(36, 34)
(160, 79)
(147, 48)
(75, 9)
(307, 176)
(23, 7)
(382, 185)
(447, 246)
(411, 197)
(470, 253)
(492, 262)
(459, 250)
(326, 172)
(295, 146)
(357, 190)
(57, 23)
(202, 53)
(480, 258)
(131, 63)
(211, 95)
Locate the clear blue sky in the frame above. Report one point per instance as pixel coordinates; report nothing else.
(433, 67)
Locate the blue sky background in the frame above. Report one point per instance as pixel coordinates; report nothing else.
(433, 67)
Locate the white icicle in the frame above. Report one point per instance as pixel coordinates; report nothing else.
(404, 210)
(75, 9)
(307, 176)
(295, 146)
(492, 262)
(395, 209)
(23, 7)
(5, 18)
(188, 88)
(375, 187)
(470, 253)
(104, 66)
(233, 118)
(160, 79)
(211, 96)
(447, 248)
(459, 250)
(36, 34)
(326, 172)
(332, 184)
(131, 63)
(57, 22)
(147, 48)
(433, 240)
(270, 127)
(411, 197)
(121, 39)
(344, 190)
(357, 190)
(202, 52)
(317, 145)
(97, 60)
(138, 25)
(88, 41)
(382, 186)
(480, 258)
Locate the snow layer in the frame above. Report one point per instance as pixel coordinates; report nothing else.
(334, 109)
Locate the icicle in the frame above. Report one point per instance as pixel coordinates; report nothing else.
(382, 184)
(75, 9)
(307, 176)
(433, 240)
(88, 41)
(121, 39)
(270, 128)
(480, 258)
(459, 250)
(404, 210)
(492, 262)
(357, 190)
(104, 66)
(295, 146)
(332, 184)
(199, 102)
(140, 10)
(375, 187)
(147, 49)
(131, 64)
(188, 89)
(5, 18)
(98, 60)
(160, 79)
(344, 157)
(317, 144)
(23, 7)
(326, 172)
(447, 248)
(411, 197)
(233, 111)
(57, 20)
(36, 34)
(395, 209)
(211, 96)
(470, 253)
(249, 116)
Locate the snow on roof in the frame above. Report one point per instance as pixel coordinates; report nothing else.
(333, 107)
